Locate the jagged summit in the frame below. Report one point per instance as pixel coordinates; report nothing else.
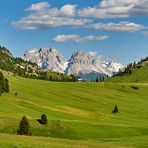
(81, 63)
(89, 66)
(47, 58)
(53, 50)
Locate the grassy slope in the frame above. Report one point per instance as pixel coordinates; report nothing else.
(84, 110)
(138, 75)
(7, 141)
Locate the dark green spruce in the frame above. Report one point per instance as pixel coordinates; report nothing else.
(24, 127)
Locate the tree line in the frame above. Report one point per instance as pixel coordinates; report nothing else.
(128, 69)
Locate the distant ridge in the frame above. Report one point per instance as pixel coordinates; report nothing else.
(81, 64)
(21, 67)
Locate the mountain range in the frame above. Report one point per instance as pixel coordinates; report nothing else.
(81, 64)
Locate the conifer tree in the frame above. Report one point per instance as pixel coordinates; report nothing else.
(97, 80)
(43, 119)
(115, 109)
(6, 85)
(100, 79)
(24, 127)
(1, 82)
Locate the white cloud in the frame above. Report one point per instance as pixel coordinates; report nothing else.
(66, 38)
(116, 9)
(38, 6)
(44, 16)
(121, 26)
(68, 10)
(93, 53)
(145, 33)
(47, 17)
(44, 21)
(77, 39)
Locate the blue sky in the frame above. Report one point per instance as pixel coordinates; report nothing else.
(117, 29)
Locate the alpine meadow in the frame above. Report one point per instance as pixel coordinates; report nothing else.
(74, 74)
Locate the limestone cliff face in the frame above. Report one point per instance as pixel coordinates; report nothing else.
(81, 63)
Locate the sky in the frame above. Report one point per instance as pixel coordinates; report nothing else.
(117, 29)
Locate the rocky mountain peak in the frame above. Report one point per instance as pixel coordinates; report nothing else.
(46, 58)
(81, 63)
(54, 51)
(81, 57)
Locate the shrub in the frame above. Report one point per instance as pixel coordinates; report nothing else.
(115, 109)
(24, 128)
(43, 119)
(134, 87)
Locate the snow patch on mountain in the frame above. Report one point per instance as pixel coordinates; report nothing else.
(47, 59)
(85, 65)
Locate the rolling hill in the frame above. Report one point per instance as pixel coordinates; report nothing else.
(84, 110)
(135, 73)
(24, 68)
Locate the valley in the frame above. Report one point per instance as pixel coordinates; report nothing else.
(84, 111)
(74, 74)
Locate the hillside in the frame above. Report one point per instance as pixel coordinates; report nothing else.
(18, 66)
(28, 69)
(84, 110)
(133, 73)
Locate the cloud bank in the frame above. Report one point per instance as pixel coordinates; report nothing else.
(116, 9)
(77, 39)
(121, 26)
(42, 15)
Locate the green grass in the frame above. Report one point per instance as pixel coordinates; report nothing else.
(84, 110)
(13, 141)
(138, 75)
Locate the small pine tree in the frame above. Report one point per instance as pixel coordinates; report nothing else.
(97, 80)
(134, 64)
(43, 119)
(115, 109)
(24, 128)
(103, 78)
(100, 79)
(7, 85)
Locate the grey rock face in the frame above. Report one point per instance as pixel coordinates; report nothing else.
(89, 67)
(46, 58)
(81, 64)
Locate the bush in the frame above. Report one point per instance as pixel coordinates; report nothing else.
(43, 119)
(24, 128)
(134, 87)
(115, 109)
